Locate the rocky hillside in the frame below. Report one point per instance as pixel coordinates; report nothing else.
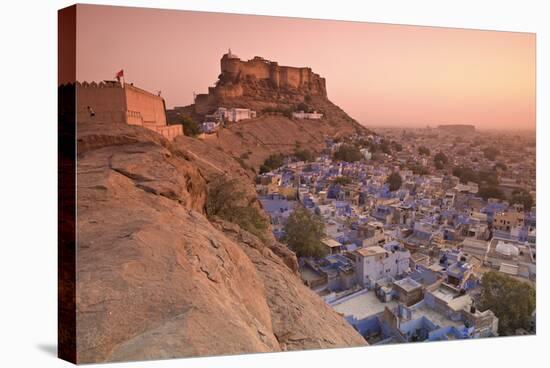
(242, 84)
(157, 279)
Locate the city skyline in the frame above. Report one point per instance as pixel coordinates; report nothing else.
(381, 74)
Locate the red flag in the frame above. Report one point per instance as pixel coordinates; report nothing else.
(119, 74)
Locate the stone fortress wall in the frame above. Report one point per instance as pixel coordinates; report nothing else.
(235, 69)
(110, 102)
(235, 72)
(150, 107)
(107, 100)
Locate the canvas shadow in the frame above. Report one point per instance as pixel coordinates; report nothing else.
(50, 349)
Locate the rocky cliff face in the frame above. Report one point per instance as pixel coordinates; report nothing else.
(157, 279)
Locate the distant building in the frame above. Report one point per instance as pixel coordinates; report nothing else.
(333, 273)
(475, 247)
(514, 258)
(278, 208)
(307, 115)
(233, 114)
(210, 127)
(408, 291)
(470, 187)
(371, 234)
(374, 263)
(332, 246)
(123, 103)
(506, 221)
(366, 154)
(457, 128)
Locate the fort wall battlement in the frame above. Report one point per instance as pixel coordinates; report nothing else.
(106, 100)
(235, 69)
(238, 78)
(111, 102)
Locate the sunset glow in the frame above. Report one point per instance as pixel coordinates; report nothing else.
(381, 74)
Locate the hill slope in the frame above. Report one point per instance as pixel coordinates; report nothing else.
(156, 278)
(259, 85)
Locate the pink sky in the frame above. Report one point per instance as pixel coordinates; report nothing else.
(380, 74)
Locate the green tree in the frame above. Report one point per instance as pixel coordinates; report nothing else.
(500, 166)
(385, 147)
(440, 160)
(348, 153)
(190, 126)
(491, 153)
(523, 197)
(490, 191)
(342, 180)
(304, 155)
(441, 157)
(302, 107)
(465, 174)
(394, 180)
(417, 169)
(512, 301)
(226, 199)
(423, 151)
(303, 233)
(486, 177)
(397, 147)
(273, 162)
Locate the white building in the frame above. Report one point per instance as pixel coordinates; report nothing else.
(210, 127)
(374, 263)
(471, 187)
(475, 247)
(372, 234)
(234, 114)
(366, 154)
(307, 115)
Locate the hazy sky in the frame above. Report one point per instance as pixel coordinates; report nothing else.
(380, 74)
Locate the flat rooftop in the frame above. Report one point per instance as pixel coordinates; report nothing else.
(371, 251)
(444, 294)
(309, 274)
(408, 284)
(329, 242)
(438, 318)
(362, 305)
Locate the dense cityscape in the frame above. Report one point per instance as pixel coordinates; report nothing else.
(407, 233)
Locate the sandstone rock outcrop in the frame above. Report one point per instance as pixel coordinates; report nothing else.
(157, 279)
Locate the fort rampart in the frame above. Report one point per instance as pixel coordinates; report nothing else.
(238, 78)
(234, 69)
(111, 102)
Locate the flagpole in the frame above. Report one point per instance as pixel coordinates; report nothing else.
(120, 77)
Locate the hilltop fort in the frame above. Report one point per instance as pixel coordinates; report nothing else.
(265, 108)
(281, 77)
(260, 80)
